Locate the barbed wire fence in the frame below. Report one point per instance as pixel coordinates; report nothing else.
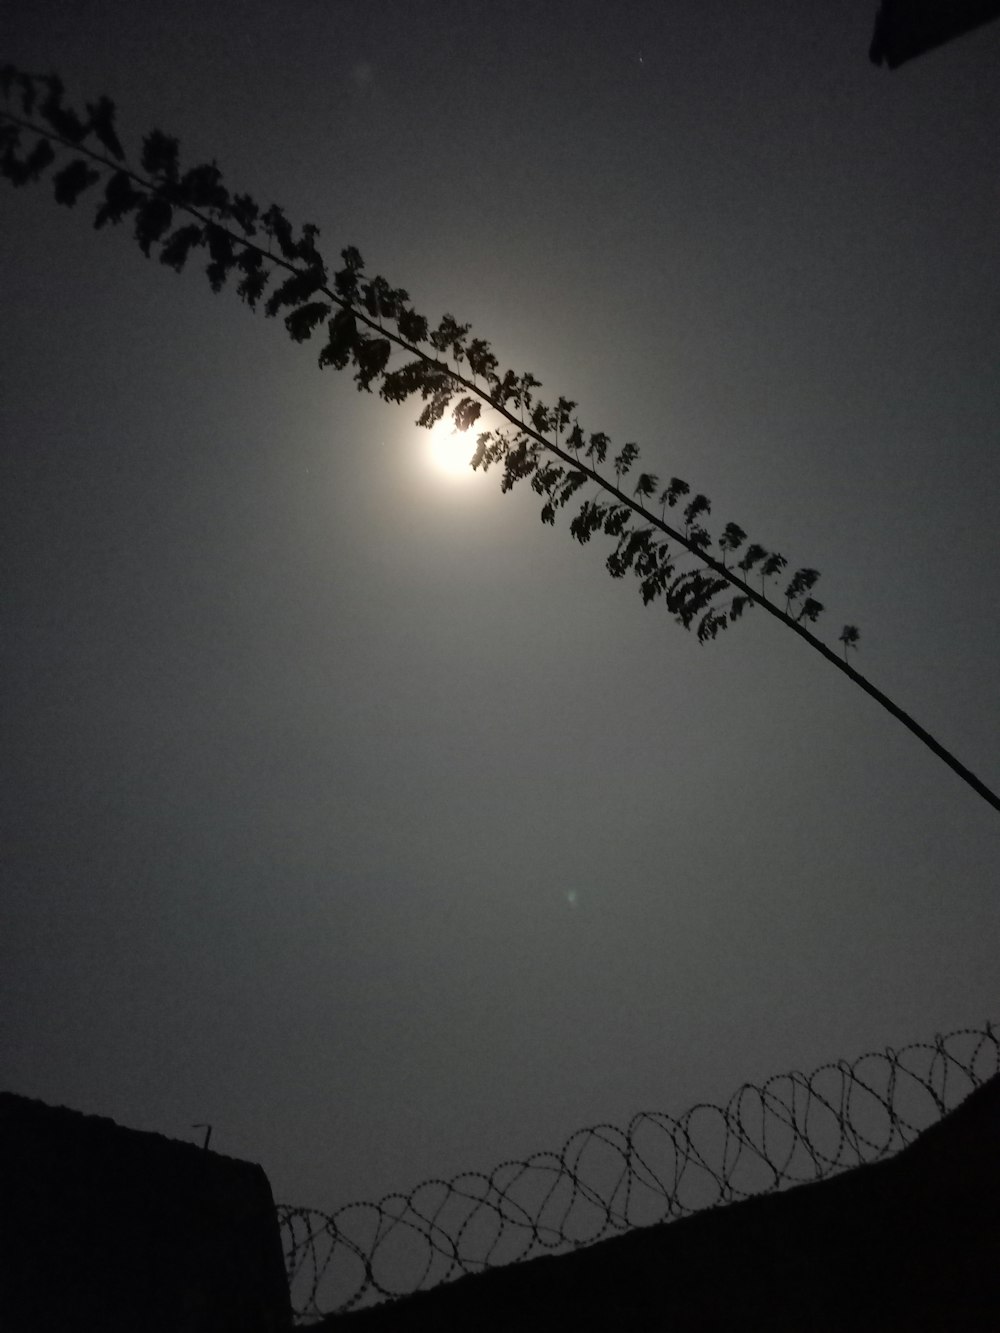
(606, 1179)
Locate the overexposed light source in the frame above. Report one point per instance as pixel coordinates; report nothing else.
(451, 450)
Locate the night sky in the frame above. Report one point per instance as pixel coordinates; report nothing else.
(346, 807)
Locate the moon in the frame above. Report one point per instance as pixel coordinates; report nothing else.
(451, 450)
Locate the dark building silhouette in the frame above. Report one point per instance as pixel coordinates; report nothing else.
(108, 1230)
(907, 28)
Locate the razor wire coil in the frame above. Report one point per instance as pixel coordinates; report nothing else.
(605, 1180)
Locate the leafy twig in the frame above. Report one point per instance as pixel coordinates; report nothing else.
(367, 321)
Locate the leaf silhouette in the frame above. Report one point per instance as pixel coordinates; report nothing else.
(71, 181)
(178, 245)
(160, 154)
(152, 219)
(381, 300)
(202, 188)
(220, 247)
(343, 334)
(588, 521)
(481, 359)
(732, 537)
(412, 327)
(244, 213)
(570, 485)
(295, 290)
(519, 462)
(31, 168)
(618, 516)
(371, 355)
(522, 393)
(564, 409)
(438, 401)
(698, 506)
(63, 120)
(466, 413)
(802, 580)
(752, 556)
(699, 537)
(120, 198)
(449, 337)
(546, 477)
(542, 418)
(302, 322)
(255, 278)
(102, 122)
(505, 389)
(710, 625)
(674, 491)
(625, 459)
(29, 93)
(774, 564)
(10, 139)
(597, 449)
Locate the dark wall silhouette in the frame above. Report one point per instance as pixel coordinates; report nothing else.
(905, 29)
(911, 1243)
(110, 1229)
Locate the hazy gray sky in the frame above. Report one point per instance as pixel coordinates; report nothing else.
(346, 807)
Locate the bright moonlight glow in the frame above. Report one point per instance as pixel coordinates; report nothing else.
(451, 450)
